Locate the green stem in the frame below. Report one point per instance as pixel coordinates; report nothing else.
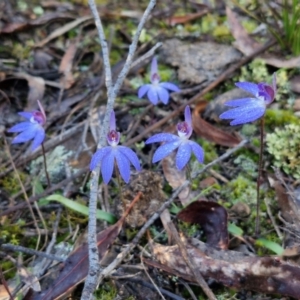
(257, 223)
(45, 166)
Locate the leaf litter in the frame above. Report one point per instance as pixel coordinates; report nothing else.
(52, 57)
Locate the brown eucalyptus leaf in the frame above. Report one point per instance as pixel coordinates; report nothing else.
(210, 132)
(75, 268)
(25, 25)
(36, 90)
(62, 30)
(212, 217)
(66, 65)
(243, 42)
(281, 62)
(175, 20)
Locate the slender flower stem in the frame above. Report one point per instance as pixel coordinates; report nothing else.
(257, 223)
(45, 166)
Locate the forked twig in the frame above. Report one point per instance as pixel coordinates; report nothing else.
(112, 91)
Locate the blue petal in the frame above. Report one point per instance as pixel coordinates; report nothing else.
(244, 114)
(164, 151)
(249, 116)
(131, 156)
(39, 138)
(123, 165)
(248, 87)
(183, 155)
(20, 127)
(154, 68)
(240, 102)
(143, 90)
(170, 86)
(25, 135)
(112, 121)
(187, 116)
(107, 165)
(163, 95)
(98, 156)
(152, 95)
(26, 114)
(197, 150)
(162, 137)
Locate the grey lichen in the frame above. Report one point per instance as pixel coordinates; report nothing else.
(284, 146)
(56, 165)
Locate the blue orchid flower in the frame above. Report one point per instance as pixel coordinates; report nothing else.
(31, 129)
(181, 142)
(157, 91)
(250, 109)
(109, 154)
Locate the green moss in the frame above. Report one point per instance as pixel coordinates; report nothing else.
(189, 229)
(247, 165)
(284, 146)
(210, 152)
(106, 291)
(10, 183)
(12, 233)
(240, 189)
(276, 117)
(8, 267)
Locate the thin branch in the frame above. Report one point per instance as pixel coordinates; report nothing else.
(148, 54)
(112, 91)
(181, 243)
(132, 47)
(103, 42)
(31, 252)
(220, 158)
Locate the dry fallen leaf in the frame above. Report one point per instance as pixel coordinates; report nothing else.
(62, 30)
(65, 67)
(212, 217)
(45, 18)
(243, 42)
(210, 132)
(36, 89)
(175, 20)
(281, 62)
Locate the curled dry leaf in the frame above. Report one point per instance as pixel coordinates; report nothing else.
(66, 66)
(36, 89)
(261, 274)
(45, 18)
(62, 30)
(175, 20)
(210, 132)
(176, 177)
(243, 42)
(281, 62)
(212, 217)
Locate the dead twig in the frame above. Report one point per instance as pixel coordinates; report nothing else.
(190, 262)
